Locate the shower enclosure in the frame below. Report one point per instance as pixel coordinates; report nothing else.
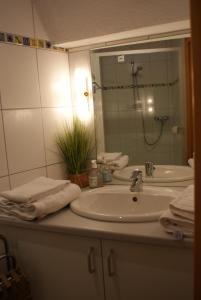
(143, 103)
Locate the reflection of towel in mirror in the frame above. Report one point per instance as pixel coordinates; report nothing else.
(191, 162)
(35, 189)
(120, 163)
(108, 156)
(183, 205)
(42, 207)
(172, 223)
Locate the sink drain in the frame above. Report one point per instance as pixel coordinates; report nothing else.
(135, 199)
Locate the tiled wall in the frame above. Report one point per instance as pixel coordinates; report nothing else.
(123, 125)
(34, 100)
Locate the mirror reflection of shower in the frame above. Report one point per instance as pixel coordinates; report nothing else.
(138, 106)
(139, 101)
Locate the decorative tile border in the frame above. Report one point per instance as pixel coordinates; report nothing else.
(28, 42)
(130, 86)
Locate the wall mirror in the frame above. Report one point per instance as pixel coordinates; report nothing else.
(142, 105)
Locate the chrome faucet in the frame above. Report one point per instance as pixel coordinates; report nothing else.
(149, 168)
(137, 183)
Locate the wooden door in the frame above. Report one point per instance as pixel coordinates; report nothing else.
(189, 98)
(196, 50)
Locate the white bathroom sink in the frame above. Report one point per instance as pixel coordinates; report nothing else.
(118, 204)
(163, 174)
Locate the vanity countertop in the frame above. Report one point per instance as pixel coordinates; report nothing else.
(66, 222)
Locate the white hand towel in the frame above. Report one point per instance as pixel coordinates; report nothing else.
(108, 157)
(183, 205)
(42, 207)
(36, 189)
(191, 162)
(172, 223)
(120, 163)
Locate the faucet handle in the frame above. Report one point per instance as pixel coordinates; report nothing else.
(149, 168)
(149, 163)
(136, 173)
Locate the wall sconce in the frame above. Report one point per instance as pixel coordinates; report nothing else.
(86, 94)
(86, 88)
(82, 94)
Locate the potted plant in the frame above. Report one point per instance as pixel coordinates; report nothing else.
(75, 145)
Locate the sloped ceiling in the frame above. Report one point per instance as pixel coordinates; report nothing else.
(71, 20)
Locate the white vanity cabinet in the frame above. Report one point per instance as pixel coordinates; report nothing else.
(69, 267)
(144, 272)
(59, 266)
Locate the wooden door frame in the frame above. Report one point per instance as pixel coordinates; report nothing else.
(196, 51)
(189, 99)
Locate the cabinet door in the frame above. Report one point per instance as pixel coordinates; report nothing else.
(144, 272)
(60, 266)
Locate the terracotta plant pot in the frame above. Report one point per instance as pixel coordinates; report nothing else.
(80, 179)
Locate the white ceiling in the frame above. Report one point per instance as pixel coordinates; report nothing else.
(72, 20)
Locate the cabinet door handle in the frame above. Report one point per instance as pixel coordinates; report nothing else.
(91, 260)
(110, 263)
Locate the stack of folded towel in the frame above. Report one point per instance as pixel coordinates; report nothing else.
(38, 198)
(180, 215)
(115, 160)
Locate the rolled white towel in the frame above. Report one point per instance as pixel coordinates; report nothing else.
(120, 163)
(191, 162)
(42, 207)
(108, 156)
(35, 189)
(172, 224)
(183, 205)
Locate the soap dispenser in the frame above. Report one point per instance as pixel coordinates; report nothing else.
(95, 176)
(106, 172)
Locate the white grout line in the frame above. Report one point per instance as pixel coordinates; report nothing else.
(29, 170)
(38, 107)
(4, 134)
(42, 115)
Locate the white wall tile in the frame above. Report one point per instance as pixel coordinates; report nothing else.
(3, 161)
(18, 77)
(111, 122)
(159, 71)
(24, 177)
(110, 100)
(123, 73)
(54, 78)
(4, 184)
(54, 120)
(57, 171)
(108, 75)
(125, 99)
(24, 139)
(16, 17)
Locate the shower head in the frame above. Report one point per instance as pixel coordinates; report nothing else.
(135, 68)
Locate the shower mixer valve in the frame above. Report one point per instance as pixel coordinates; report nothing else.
(161, 118)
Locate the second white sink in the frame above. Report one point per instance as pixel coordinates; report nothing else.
(164, 175)
(118, 204)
